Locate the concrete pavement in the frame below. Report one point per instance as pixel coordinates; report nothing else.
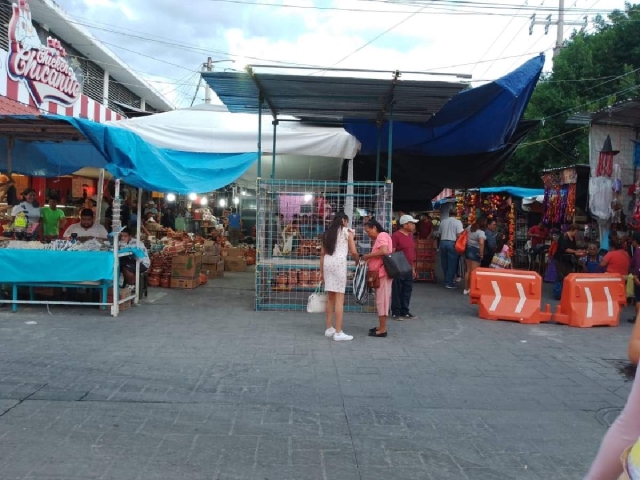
(197, 385)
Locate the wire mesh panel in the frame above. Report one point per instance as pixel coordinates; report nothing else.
(291, 219)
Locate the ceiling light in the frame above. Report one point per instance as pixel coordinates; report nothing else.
(308, 197)
(204, 201)
(171, 197)
(236, 200)
(193, 197)
(222, 202)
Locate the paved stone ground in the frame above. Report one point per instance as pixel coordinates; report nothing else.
(195, 385)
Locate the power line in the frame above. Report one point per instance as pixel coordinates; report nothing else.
(375, 38)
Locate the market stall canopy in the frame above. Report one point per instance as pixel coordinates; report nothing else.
(518, 192)
(419, 178)
(213, 129)
(478, 120)
(51, 146)
(332, 96)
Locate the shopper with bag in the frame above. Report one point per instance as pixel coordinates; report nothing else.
(403, 284)
(377, 274)
(337, 243)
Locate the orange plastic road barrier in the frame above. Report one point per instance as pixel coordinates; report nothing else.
(591, 299)
(508, 295)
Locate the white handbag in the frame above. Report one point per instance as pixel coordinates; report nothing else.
(317, 302)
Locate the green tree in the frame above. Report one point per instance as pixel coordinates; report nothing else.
(593, 70)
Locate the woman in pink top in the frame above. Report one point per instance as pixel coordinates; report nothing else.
(382, 246)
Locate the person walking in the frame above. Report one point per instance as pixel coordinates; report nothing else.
(337, 243)
(235, 227)
(475, 250)
(450, 229)
(403, 284)
(382, 246)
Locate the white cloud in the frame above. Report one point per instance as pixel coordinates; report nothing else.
(442, 35)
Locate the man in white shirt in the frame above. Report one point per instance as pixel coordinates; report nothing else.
(87, 229)
(450, 229)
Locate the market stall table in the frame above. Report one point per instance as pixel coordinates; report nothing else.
(49, 268)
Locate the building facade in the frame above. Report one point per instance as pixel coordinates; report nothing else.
(55, 65)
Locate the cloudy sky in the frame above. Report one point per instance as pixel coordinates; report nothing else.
(166, 41)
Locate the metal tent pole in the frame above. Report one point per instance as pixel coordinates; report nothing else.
(260, 137)
(378, 153)
(9, 154)
(390, 156)
(273, 159)
(99, 195)
(138, 243)
(115, 231)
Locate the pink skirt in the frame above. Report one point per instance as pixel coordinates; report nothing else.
(383, 296)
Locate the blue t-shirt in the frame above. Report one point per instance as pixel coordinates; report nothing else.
(234, 220)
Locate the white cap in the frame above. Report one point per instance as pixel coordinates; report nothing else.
(407, 219)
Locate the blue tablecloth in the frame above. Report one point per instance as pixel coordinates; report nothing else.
(46, 266)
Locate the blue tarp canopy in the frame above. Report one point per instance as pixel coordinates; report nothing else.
(52, 145)
(518, 192)
(478, 120)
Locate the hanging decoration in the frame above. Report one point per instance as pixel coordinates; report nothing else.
(460, 206)
(604, 167)
(472, 208)
(570, 209)
(512, 228)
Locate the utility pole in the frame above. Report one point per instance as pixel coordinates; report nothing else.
(207, 89)
(560, 24)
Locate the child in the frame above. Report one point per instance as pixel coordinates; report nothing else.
(591, 263)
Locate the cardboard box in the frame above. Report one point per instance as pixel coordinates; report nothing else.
(210, 248)
(124, 293)
(237, 264)
(185, 283)
(210, 260)
(235, 252)
(186, 266)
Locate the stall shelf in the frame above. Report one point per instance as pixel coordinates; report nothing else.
(291, 217)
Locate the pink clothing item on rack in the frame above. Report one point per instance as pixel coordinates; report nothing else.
(375, 263)
(383, 296)
(623, 433)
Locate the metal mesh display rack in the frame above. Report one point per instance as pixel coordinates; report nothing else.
(291, 218)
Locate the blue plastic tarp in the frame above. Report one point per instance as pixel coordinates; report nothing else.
(127, 157)
(49, 266)
(514, 191)
(478, 120)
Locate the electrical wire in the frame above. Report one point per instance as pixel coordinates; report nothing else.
(406, 19)
(546, 140)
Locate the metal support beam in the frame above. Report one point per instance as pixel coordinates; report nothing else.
(390, 147)
(260, 136)
(263, 94)
(378, 153)
(273, 159)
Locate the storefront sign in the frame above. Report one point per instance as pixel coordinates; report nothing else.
(43, 68)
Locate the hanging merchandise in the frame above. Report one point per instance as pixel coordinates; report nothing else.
(636, 153)
(600, 197)
(472, 208)
(459, 206)
(604, 167)
(570, 210)
(512, 228)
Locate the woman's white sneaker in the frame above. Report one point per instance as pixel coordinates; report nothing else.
(330, 332)
(342, 337)
(466, 292)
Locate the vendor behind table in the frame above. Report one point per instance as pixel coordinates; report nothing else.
(87, 229)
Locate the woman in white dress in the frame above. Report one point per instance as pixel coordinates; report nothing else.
(337, 242)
